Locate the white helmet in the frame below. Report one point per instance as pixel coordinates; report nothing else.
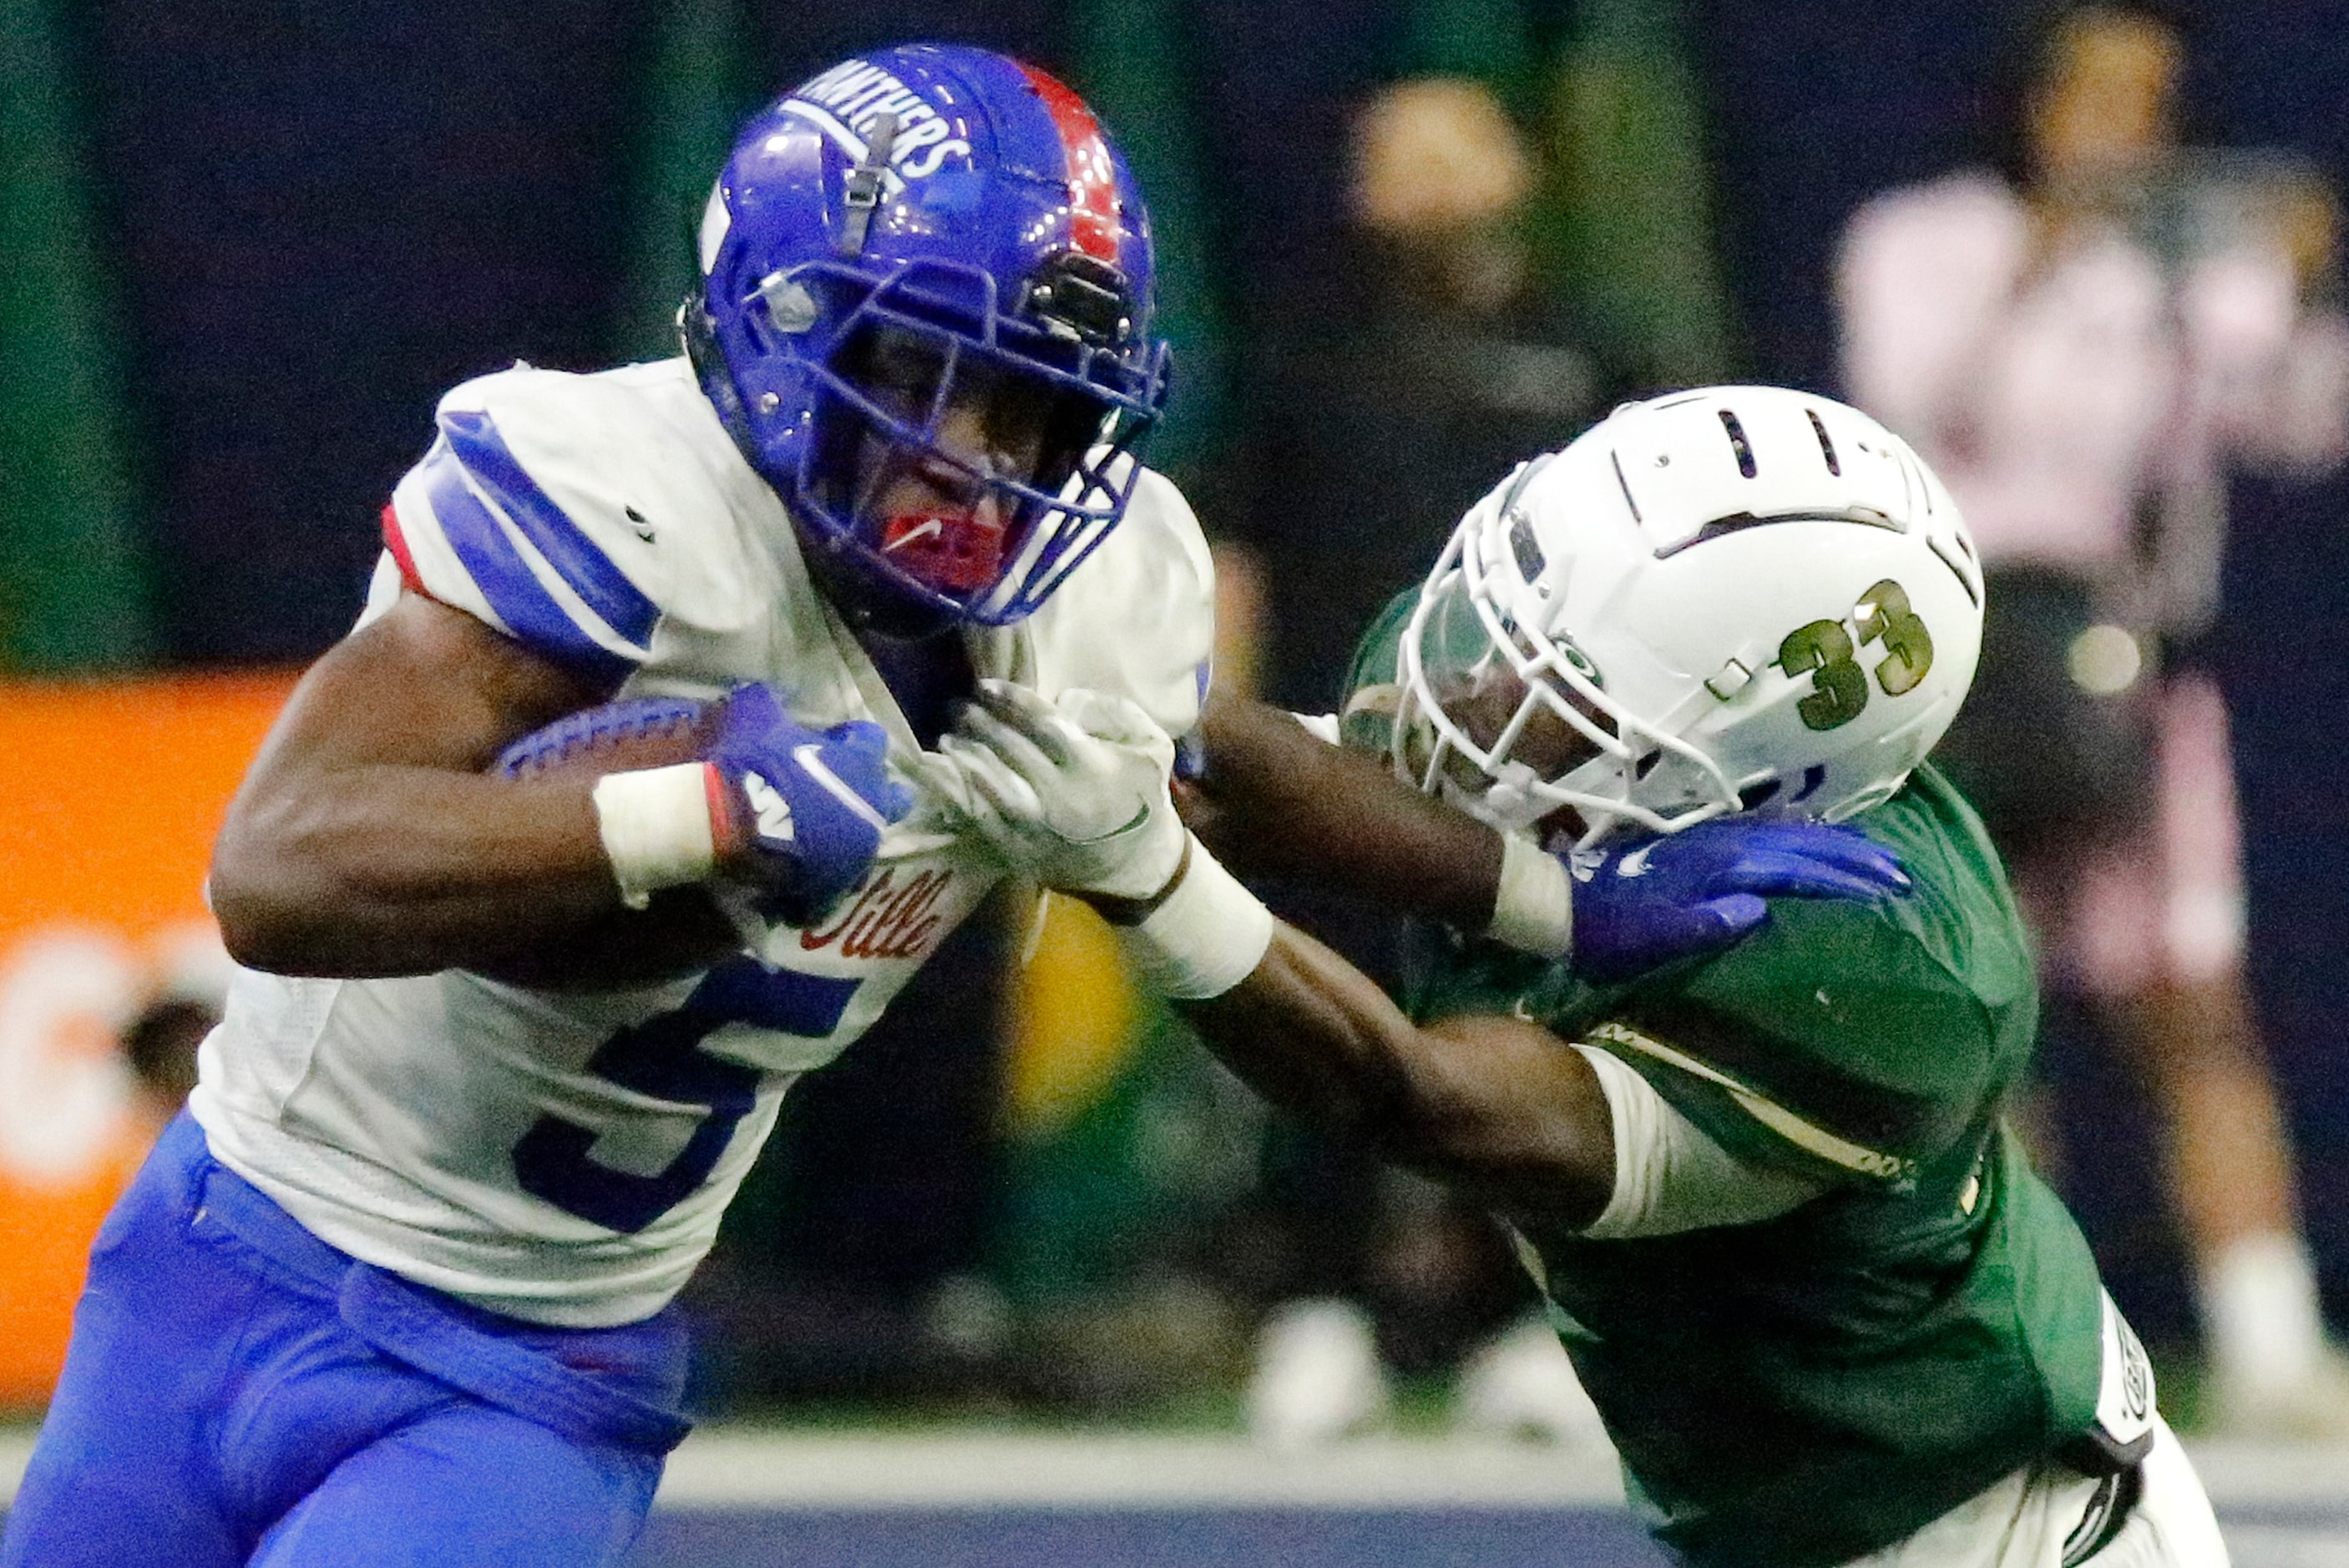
(1736, 598)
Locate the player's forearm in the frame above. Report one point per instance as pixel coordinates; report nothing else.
(1496, 1106)
(1277, 802)
(1312, 1034)
(393, 869)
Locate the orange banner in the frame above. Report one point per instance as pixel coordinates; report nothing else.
(113, 791)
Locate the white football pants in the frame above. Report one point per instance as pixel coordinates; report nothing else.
(2023, 1521)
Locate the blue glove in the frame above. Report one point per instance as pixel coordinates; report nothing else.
(802, 811)
(1688, 894)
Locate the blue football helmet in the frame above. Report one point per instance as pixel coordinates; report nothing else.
(971, 206)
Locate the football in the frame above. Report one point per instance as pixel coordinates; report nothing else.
(616, 738)
(684, 929)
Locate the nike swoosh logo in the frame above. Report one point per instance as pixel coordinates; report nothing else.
(924, 531)
(1634, 864)
(1140, 817)
(811, 757)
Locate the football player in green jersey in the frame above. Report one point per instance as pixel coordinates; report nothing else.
(1753, 1152)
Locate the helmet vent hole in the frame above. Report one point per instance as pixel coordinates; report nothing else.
(1738, 443)
(1645, 766)
(1625, 485)
(1964, 580)
(1754, 796)
(1524, 546)
(1827, 447)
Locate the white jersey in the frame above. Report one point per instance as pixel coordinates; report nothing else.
(566, 1157)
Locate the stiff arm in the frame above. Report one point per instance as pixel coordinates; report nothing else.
(1498, 1106)
(1276, 801)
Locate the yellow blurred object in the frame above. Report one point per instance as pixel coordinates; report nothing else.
(1240, 615)
(1073, 1018)
(1076, 1020)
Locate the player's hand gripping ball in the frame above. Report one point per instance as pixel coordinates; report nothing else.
(802, 811)
(795, 814)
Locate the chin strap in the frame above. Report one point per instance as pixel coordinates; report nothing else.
(865, 183)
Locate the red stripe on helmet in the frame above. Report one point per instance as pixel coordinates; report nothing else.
(1093, 176)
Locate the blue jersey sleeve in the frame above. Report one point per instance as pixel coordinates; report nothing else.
(533, 542)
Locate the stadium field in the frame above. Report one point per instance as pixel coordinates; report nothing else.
(959, 1498)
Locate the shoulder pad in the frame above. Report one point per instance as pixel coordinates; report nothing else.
(1886, 1028)
(525, 512)
(1137, 617)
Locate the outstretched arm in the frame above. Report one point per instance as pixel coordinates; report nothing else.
(1277, 802)
(1498, 1107)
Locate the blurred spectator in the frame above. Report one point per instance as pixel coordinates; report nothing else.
(1459, 367)
(1462, 365)
(189, 992)
(2081, 340)
(97, 1042)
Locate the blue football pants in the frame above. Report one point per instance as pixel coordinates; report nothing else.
(239, 1392)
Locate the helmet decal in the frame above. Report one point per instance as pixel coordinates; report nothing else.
(848, 102)
(1092, 178)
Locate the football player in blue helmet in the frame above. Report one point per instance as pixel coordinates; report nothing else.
(929, 228)
(591, 839)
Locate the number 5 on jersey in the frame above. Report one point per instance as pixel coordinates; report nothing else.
(662, 1059)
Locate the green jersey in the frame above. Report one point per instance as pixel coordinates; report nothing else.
(1812, 1388)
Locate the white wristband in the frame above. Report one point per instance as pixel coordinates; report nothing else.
(1533, 909)
(656, 827)
(1208, 937)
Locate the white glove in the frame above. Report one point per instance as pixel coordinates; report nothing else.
(1075, 793)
